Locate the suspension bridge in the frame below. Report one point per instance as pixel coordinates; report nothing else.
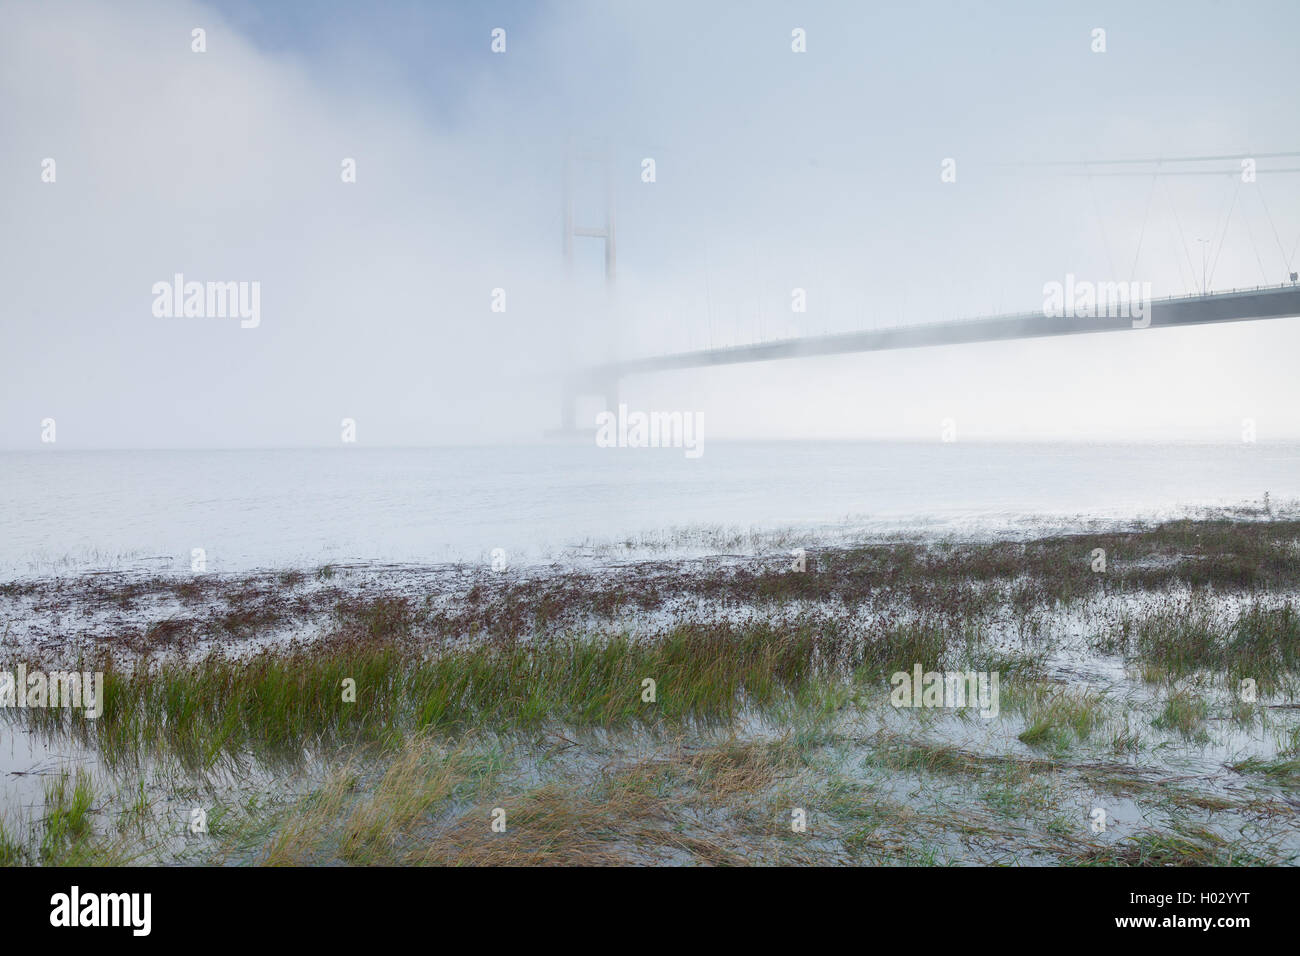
(1201, 308)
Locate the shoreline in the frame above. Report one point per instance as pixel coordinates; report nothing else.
(1120, 690)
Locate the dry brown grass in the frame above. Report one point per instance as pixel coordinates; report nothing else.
(433, 805)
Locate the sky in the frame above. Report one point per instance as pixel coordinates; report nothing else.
(774, 170)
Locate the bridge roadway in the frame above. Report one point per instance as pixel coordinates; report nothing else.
(1273, 302)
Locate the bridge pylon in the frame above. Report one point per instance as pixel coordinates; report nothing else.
(606, 231)
(584, 384)
(578, 386)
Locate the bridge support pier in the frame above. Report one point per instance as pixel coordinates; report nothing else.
(577, 389)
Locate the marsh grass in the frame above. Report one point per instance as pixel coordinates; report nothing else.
(434, 802)
(526, 693)
(1055, 716)
(12, 852)
(1160, 848)
(1185, 712)
(962, 582)
(1262, 643)
(67, 818)
(276, 703)
(1284, 771)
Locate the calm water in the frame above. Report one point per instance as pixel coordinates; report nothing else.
(65, 510)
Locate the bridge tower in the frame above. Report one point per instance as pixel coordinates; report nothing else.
(579, 385)
(605, 232)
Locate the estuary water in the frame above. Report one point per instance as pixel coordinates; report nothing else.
(70, 511)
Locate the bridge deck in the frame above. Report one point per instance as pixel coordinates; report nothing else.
(1267, 303)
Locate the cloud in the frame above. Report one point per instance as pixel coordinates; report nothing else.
(774, 170)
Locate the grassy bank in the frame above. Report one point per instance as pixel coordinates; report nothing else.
(715, 712)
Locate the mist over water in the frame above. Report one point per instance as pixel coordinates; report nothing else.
(65, 511)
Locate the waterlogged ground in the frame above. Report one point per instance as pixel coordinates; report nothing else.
(1147, 709)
